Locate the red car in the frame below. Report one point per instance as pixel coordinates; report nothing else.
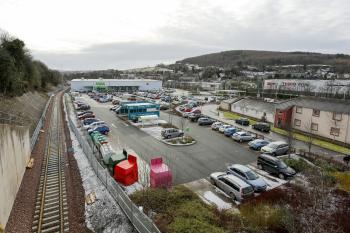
(86, 115)
(188, 109)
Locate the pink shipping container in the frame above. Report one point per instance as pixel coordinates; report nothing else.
(160, 175)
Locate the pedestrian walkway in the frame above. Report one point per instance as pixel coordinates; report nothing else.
(211, 111)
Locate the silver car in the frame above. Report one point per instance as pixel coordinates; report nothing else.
(246, 174)
(276, 148)
(233, 186)
(242, 136)
(216, 125)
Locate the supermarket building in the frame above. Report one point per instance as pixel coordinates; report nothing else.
(121, 85)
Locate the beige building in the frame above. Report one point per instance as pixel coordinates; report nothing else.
(322, 117)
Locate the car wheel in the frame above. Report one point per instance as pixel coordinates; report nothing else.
(274, 154)
(260, 167)
(240, 140)
(212, 181)
(281, 176)
(233, 196)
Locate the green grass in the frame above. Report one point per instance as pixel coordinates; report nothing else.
(234, 116)
(315, 141)
(343, 179)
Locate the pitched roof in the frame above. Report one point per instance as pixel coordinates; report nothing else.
(329, 105)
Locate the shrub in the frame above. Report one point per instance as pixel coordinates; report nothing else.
(191, 225)
(299, 165)
(263, 217)
(343, 179)
(196, 210)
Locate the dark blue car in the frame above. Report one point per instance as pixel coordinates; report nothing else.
(257, 144)
(88, 121)
(230, 131)
(103, 129)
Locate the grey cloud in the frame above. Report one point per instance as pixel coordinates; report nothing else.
(315, 25)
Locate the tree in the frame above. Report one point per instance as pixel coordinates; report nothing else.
(307, 127)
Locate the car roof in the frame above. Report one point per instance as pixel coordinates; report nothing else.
(237, 180)
(269, 157)
(278, 142)
(241, 132)
(240, 167)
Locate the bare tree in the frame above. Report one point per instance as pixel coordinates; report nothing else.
(182, 123)
(309, 136)
(290, 135)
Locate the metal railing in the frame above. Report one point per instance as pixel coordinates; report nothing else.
(40, 124)
(139, 220)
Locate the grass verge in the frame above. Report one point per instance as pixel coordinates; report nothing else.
(315, 141)
(234, 116)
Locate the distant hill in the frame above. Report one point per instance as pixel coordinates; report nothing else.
(263, 58)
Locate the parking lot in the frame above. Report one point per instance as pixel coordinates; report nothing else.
(212, 152)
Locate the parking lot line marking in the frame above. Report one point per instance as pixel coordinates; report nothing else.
(114, 125)
(125, 124)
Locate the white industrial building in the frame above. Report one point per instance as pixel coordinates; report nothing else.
(116, 84)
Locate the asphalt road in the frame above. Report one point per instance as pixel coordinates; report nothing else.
(212, 152)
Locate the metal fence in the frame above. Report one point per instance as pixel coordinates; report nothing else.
(140, 221)
(40, 124)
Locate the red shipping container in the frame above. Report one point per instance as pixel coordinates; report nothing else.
(126, 171)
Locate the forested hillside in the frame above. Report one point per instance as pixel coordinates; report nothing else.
(19, 73)
(265, 58)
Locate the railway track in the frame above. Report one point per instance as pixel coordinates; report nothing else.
(51, 208)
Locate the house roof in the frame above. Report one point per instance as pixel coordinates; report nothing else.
(329, 105)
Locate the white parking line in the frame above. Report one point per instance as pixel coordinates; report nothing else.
(125, 124)
(114, 125)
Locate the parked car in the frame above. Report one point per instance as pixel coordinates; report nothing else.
(83, 112)
(194, 116)
(246, 174)
(171, 133)
(230, 131)
(216, 125)
(242, 121)
(182, 108)
(257, 144)
(205, 121)
(103, 129)
(276, 148)
(88, 121)
(94, 124)
(83, 107)
(86, 115)
(262, 126)
(223, 127)
(113, 107)
(242, 136)
(233, 186)
(274, 166)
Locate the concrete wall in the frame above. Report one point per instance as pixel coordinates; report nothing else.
(14, 155)
(324, 122)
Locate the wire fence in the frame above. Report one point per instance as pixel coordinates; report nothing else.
(140, 221)
(35, 135)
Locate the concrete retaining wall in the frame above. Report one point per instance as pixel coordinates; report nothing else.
(14, 155)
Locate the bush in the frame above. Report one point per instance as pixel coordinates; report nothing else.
(299, 165)
(191, 225)
(263, 217)
(343, 179)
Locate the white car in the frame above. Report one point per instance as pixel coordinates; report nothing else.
(216, 125)
(223, 127)
(242, 137)
(94, 124)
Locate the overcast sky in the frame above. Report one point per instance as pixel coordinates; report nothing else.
(121, 34)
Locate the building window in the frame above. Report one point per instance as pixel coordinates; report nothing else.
(314, 127)
(337, 116)
(297, 122)
(299, 109)
(316, 112)
(335, 131)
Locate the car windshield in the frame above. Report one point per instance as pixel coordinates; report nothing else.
(251, 175)
(247, 190)
(273, 146)
(281, 164)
